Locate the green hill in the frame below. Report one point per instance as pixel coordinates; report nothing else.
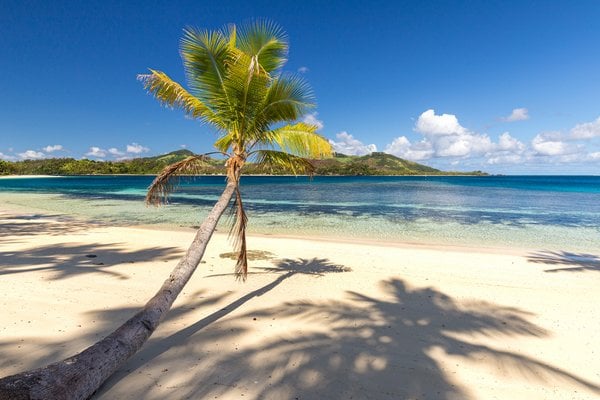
(171, 157)
(376, 163)
(373, 164)
(71, 166)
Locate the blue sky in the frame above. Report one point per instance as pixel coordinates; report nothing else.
(500, 86)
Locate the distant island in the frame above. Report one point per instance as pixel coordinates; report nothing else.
(376, 163)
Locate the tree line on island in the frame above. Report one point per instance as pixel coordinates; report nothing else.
(376, 163)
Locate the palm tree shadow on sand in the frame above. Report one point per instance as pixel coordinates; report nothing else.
(16, 227)
(381, 348)
(65, 260)
(571, 261)
(286, 269)
(361, 347)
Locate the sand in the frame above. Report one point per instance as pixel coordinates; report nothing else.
(315, 319)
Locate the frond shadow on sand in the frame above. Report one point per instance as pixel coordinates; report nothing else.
(360, 347)
(569, 261)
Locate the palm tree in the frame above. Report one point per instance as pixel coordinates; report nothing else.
(237, 87)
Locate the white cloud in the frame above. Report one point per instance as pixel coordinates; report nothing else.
(7, 157)
(96, 152)
(402, 147)
(505, 159)
(183, 146)
(137, 148)
(518, 114)
(303, 70)
(50, 149)
(463, 145)
(552, 144)
(32, 155)
(508, 150)
(445, 142)
(311, 119)
(115, 152)
(588, 130)
(445, 137)
(348, 145)
(509, 143)
(431, 124)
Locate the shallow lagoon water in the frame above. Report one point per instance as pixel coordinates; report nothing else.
(540, 212)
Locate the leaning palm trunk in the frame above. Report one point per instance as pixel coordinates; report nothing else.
(79, 376)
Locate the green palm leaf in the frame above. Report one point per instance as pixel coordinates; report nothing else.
(205, 56)
(265, 41)
(172, 94)
(224, 142)
(246, 85)
(287, 99)
(289, 162)
(301, 140)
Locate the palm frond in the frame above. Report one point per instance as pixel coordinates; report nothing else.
(265, 41)
(172, 94)
(302, 140)
(166, 182)
(288, 98)
(247, 87)
(205, 56)
(224, 142)
(288, 162)
(237, 234)
(231, 33)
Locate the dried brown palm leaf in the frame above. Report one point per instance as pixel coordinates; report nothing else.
(168, 179)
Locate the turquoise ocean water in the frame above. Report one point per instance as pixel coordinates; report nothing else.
(540, 212)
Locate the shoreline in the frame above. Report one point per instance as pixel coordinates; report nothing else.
(315, 319)
(438, 246)
(501, 237)
(442, 246)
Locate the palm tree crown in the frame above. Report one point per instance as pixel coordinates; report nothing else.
(236, 85)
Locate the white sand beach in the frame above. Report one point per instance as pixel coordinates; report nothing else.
(315, 319)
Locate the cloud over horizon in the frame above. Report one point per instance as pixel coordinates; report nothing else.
(431, 124)
(518, 114)
(586, 130)
(97, 152)
(312, 119)
(444, 138)
(130, 149)
(32, 155)
(347, 144)
(7, 157)
(116, 152)
(51, 149)
(136, 148)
